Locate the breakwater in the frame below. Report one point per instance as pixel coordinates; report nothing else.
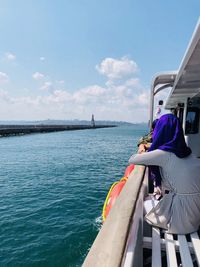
(8, 130)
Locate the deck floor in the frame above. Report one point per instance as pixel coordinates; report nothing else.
(162, 249)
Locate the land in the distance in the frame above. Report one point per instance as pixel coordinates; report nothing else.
(68, 122)
(10, 128)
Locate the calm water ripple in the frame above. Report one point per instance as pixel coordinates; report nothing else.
(52, 190)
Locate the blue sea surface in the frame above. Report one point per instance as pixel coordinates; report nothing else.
(52, 189)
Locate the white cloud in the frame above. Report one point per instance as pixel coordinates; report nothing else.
(61, 82)
(117, 68)
(3, 77)
(91, 94)
(10, 56)
(38, 76)
(133, 82)
(124, 99)
(47, 86)
(4, 96)
(114, 103)
(143, 99)
(42, 58)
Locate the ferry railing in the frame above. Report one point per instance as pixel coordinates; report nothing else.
(133, 254)
(111, 243)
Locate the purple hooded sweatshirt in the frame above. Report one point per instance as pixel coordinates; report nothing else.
(168, 136)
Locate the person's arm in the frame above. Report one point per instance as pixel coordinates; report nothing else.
(156, 157)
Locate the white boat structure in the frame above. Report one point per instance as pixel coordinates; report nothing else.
(121, 240)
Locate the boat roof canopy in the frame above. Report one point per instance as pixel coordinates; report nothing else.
(187, 82)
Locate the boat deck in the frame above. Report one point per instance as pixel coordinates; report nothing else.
(172, 250)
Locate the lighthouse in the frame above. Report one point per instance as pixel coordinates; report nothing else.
(92, 121)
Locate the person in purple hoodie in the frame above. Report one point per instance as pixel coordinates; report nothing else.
(177, 175)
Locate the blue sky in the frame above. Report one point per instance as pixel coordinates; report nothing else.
(69, 59)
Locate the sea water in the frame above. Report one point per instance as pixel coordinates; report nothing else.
(52, 190)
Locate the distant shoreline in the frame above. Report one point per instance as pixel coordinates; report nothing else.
(69, 122)
(12, 130)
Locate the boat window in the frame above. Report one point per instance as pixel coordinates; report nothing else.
(192, 121)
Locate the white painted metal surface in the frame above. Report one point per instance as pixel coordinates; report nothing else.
(173, 245)
(133, 256)
(132, 240)
(184, 251)
(170, 249)
(156, 247)
(163, 80)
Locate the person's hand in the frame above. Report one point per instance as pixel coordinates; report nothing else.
(142, 148)
(157, 192)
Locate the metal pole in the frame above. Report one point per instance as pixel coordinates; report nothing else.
(184, 115)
